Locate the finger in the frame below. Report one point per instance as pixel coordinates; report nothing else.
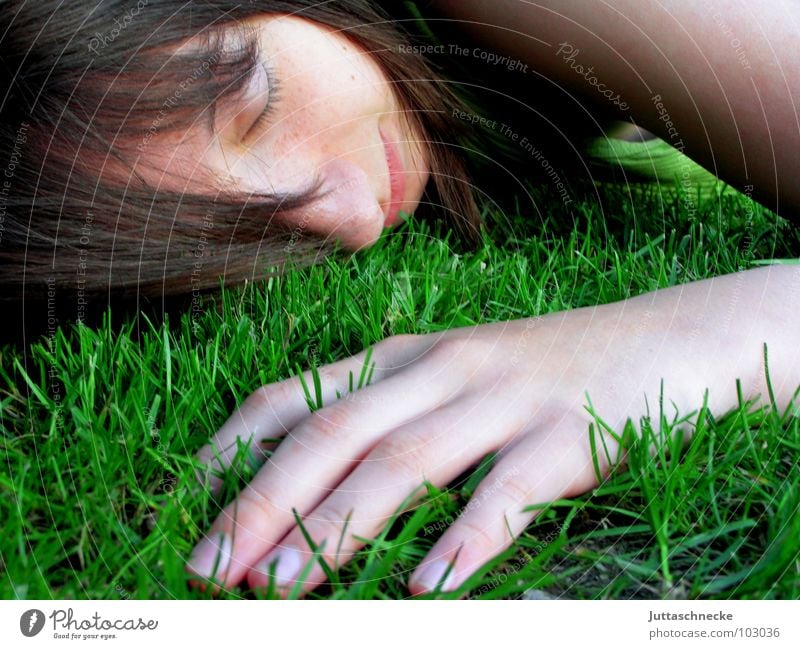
(272, 410)
(543, 466)
(309, 463)
(437, 449)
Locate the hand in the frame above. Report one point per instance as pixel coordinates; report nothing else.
(436, 405)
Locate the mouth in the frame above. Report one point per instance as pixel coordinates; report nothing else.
(397, 181)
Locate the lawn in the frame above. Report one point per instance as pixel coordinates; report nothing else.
(99, 423)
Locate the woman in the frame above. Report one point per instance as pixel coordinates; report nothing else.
(269, 130)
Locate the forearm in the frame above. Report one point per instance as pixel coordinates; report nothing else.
(714, 332)
(726, 71)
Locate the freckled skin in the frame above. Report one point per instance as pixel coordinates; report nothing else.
(331, 102)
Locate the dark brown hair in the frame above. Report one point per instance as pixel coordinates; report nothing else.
(81, 79)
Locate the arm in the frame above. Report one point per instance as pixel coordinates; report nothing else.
(719, 328)
(727, 73)
(440, 402)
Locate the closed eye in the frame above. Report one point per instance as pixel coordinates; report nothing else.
(261, 122)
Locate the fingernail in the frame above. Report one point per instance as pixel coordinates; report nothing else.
(432, 574)
(212, 552)
(287, 568)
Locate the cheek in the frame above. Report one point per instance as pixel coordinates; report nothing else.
(329, 80)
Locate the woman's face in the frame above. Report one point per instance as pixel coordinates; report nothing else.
(334, 115)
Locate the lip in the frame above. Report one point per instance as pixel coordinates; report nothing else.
(397, 181)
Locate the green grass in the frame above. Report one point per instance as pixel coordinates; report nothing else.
(97, 480)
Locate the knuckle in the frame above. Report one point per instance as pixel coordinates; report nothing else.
(403, 454)
(400, 340)
(477, 535)
(331, 516)
(252, 503)
(325, 527)
(515, 492)
(285, 391)
(259, 399)
(328, 425)
(448, 347)
(265, 398)
(389, 353)
(459, 348)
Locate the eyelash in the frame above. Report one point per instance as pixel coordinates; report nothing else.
(260, 123)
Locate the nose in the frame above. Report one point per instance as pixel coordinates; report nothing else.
(347, 211)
